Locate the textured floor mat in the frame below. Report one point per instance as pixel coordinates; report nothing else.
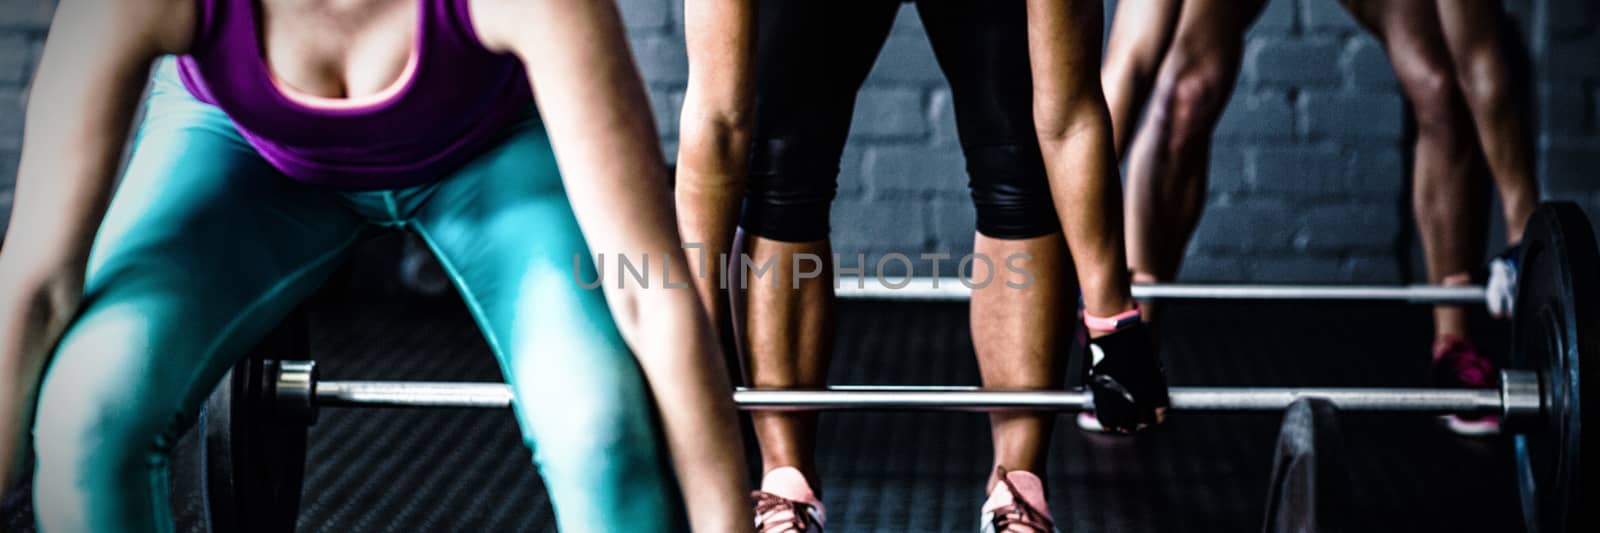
(461, 470)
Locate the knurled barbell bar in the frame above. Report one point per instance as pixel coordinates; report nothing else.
(266, 405)
(950, 289)
(1518, 399)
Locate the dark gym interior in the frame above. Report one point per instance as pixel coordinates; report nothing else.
(1310, 183)
(413, 470)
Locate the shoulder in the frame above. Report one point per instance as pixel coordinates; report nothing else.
(506, 25)
(167, 26)
(495, 21)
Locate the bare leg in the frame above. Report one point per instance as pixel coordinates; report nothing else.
(802, 117)
(1170, 159)
(787, 336)
(1140, 33)
(1020, 336)
(1019, 331)
(1446, 196)
(1478, 50)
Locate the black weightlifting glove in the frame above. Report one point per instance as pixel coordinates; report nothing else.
(1129, 384)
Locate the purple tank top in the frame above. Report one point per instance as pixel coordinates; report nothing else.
(459, 100)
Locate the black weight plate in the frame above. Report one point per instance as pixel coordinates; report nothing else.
(1311, 487)
(1554, 332)
(253, 459)
(216, 451)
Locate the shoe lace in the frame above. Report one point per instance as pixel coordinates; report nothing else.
(770, 514)
(1019, 515)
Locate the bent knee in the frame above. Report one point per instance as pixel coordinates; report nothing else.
(1484, 80)
(790, 192)
(83, 434)
(1192, 94)
(96, 401)
(604, 429)
(580, 395)
(1011, 191)
(1435, 99)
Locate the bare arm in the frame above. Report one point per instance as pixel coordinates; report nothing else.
(714, 136)
(593, 103)
(1069, 111)
(81, 105)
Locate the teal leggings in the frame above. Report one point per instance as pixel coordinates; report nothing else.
(206, 248)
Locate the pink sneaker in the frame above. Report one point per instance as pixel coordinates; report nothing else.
(1016, 505)
(786, 504)
(1457, 364)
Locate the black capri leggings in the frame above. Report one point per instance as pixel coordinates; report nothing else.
(813, 57)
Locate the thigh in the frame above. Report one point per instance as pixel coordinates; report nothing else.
(1392, 20)
(812, 57)
(203, 249)
(503, 229)
(983, 50)
(1212, 31)
(1413, 37)
(1471, 27)
(1142, 29)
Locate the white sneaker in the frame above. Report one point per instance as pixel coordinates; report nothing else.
(1016, 505)
(1088, 422)
(786, 504)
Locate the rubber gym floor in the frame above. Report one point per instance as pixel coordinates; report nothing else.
(465, 470)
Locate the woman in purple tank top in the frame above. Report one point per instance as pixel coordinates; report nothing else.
(284, 133)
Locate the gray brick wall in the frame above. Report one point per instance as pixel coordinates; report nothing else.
(1568, 48)
(1309, 171)
(1308, 176)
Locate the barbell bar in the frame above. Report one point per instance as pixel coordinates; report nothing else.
(950, 289)
(1519, 397)
(256, 420)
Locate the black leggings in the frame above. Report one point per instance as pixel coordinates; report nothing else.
(813, 57)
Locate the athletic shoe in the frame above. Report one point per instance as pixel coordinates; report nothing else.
(1087, 422)
(1457, 364)
(1016, 505)
(786, 504)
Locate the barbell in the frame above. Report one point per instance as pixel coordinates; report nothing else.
(952, 289)
(1518, 397)
(266, 404)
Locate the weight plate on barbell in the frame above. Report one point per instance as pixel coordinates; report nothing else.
(252, 455)
(1554, 332)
